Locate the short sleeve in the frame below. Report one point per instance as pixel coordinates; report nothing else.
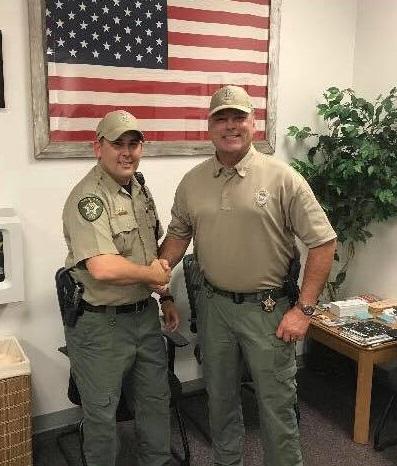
(180, 226)
(89, 236)
(308, 220)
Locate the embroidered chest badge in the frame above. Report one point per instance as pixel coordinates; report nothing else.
(262, 197)
(90, 208)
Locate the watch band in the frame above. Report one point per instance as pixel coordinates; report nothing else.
(307, 309)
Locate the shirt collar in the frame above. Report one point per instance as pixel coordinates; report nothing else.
(109, 182)
(241, 167)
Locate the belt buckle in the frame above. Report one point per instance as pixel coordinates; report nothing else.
(268, 304)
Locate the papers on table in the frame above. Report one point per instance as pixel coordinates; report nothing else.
(348, 307)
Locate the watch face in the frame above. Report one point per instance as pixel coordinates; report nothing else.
(308, 310)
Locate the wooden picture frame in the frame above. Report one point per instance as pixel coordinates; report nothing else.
(44, 148)
(2, 99)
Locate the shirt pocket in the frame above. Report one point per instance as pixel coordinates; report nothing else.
(124, 230)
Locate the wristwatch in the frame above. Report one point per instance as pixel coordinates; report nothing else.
(307, 309)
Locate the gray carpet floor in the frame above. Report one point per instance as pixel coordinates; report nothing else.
(326, 402)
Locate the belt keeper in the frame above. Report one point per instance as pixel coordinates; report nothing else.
(238, 298)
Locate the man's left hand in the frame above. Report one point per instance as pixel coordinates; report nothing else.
(171, 316)
(293, 325)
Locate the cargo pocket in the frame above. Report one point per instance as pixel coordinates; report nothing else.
(103, 400)
(124, 229)
(99, 408)
(284, 360)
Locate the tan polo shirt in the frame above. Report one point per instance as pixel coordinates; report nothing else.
(125, 226)
(244, 219)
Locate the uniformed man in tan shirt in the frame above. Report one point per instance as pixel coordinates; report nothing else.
(243, 210)
(111, 229)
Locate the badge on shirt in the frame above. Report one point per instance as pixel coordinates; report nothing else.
(121, 211)
(90, 208)
(262, 197)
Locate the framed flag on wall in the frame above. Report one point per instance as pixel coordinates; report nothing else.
(2, 101)
(161, 60)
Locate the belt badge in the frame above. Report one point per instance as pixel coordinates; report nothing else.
(268, 304)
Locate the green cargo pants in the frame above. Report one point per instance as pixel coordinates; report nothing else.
(108, 351)
(231, 333)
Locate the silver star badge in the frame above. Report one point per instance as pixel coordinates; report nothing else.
(268, 304)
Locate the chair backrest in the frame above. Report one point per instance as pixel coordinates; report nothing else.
(194, 280)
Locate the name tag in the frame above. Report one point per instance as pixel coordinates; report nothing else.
(121, 211)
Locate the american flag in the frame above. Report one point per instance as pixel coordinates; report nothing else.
(161, 60)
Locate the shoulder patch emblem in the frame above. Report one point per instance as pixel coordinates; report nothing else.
(90, 208)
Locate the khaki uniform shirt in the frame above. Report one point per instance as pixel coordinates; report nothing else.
(244, 219)
(126, 227)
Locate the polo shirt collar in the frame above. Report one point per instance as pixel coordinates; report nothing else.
(218, 167)
(241, 167)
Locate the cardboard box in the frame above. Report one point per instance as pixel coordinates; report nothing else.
(378, 306)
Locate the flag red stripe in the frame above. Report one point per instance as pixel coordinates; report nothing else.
(257, 2)
(143, 113)
(141, 87)
(217, 17)
(190, 64)
(84, 136)
(199, 40)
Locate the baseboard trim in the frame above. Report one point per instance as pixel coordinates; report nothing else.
(56, 420)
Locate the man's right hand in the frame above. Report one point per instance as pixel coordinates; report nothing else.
(160, 276)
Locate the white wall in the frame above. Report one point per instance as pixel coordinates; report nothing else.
(375, 72)
(317, 50)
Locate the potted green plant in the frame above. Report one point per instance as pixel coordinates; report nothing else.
(352, 168)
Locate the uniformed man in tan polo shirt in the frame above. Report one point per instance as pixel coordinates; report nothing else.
(243, 210)
(111, 230)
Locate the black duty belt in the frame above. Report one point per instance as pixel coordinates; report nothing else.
(122, 309)
(258, 297)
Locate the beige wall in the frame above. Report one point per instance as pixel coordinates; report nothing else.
(317, 50)
(375, 72)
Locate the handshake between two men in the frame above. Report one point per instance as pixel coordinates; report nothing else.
(162, 275)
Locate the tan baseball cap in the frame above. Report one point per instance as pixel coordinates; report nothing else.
(230, 97)
(116, 123)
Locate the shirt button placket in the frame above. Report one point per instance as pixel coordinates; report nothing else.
(225, 201)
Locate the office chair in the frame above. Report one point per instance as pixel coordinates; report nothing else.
(173, 341)
(194, 281)
(386, 375)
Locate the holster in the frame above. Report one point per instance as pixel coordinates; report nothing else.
(291, 280)
(70, 294)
